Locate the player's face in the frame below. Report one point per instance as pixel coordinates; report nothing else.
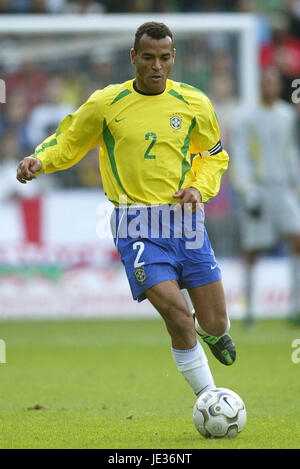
(153, 62)
(270, 86)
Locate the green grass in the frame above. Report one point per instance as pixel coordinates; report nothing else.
(113, 384)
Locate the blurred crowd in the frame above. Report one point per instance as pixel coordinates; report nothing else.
(122, 6)
(42, 89)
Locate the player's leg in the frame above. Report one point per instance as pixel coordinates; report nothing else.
(188, 354)
(167, 298)
(211, 320)
(210, 307)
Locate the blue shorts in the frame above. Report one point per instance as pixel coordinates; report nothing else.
(169, 252)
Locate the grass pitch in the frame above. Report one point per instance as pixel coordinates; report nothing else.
(113, 384)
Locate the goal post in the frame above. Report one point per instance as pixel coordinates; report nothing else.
(124, 26)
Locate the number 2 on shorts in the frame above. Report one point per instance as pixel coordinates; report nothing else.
(140, 246)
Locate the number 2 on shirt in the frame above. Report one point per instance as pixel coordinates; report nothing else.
(149, 135)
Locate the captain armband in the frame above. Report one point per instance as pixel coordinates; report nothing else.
(217, 148)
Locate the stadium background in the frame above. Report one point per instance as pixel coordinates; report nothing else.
(56, 256)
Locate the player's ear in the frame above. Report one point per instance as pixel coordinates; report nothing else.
(173, 54)
(132, 56)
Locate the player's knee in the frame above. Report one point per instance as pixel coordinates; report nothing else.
(216, 325)
(177, 317)
(221, 327)
(174, 309)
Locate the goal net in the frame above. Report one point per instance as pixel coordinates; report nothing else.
(68, 40)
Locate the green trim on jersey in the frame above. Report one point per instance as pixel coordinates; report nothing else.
(45, 145)
(193, 88)
(178, 96)
(117, 204)
(120, 96)
(190, 87)
(110, 146)
(185, 164)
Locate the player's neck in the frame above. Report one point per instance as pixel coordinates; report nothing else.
(136, 88)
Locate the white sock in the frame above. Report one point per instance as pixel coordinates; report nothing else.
(202, 331)
(192, 363)
(295, 265)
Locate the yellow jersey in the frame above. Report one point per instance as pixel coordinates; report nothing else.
(146, 143)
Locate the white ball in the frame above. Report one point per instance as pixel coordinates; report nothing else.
(219, 413)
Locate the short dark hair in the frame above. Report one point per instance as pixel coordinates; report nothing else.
(152, 29)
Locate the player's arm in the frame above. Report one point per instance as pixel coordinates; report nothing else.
(211, 160)
(75, 136)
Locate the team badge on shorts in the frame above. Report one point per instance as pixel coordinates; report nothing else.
(140, 275)
(175, 122)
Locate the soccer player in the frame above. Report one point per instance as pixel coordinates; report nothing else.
(147, 129)
(266, 170)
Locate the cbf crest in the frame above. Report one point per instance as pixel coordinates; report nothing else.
(140, 275)
(176, 121)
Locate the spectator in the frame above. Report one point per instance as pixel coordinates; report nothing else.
(5, 7)
(38, 6)
(264, 32)
(15, 118)
(55, 6)
(45, 117)
(283, 51)
(223, 96)
(27, 79)
(292, 9)
(85, 7)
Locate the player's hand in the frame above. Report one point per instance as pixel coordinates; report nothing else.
(191, 196)
(27, 168)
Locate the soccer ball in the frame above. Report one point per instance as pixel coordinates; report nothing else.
(219, 413)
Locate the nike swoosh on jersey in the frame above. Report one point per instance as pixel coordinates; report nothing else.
(119, 120)
(213, 266)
